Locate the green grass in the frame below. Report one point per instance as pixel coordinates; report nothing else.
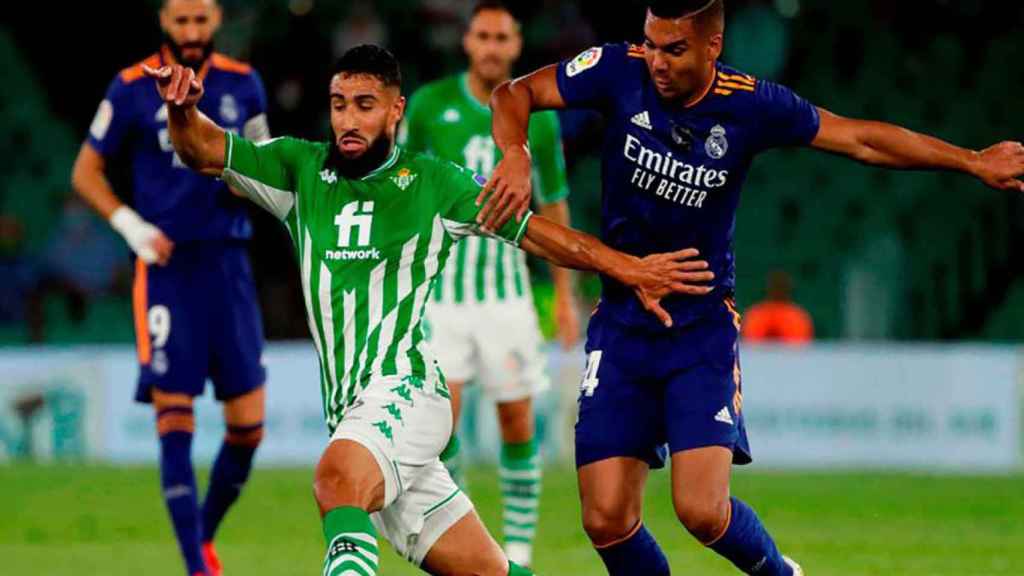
(110, 521)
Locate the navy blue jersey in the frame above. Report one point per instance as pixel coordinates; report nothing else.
(132, 122)
(672, 175)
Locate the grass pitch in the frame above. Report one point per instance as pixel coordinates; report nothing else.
(111, 521)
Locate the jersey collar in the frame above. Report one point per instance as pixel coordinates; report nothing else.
(392, 159)
(464, 84)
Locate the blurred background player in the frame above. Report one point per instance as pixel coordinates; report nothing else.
(482, 320)
(683, 131)
(196, 313)
(778, 318)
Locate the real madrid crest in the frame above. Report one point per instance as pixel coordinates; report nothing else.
(716, 145)
(229, 109)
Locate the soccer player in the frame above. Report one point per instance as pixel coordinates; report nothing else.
(196, 313)
(482, 322)
(372, 226)
(682, 131)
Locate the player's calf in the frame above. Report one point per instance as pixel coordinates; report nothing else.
(244, 432)
(175, 423)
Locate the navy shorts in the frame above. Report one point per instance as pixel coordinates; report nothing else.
(646, 395)
(198, 318)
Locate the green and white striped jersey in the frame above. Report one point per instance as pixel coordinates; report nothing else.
(368, 251)
(445, 120)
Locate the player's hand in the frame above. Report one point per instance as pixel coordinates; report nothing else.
(568, 319)
(147, 241)
(508, 191)
(660, 275)
(177, 85)
(1001, 166)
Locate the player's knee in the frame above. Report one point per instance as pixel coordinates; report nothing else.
(248, 436)
(605, 523)
(172, 419)
(704, 518)
(336, 484)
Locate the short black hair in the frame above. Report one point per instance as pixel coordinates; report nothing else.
(706, 13)
(498, 5)
(371, 60)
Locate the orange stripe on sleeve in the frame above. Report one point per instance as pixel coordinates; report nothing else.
(140, 307)
(735, 86)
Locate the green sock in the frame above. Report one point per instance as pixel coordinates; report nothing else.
(351, 543)
(520, 496)
(516, 570)
(451, 457)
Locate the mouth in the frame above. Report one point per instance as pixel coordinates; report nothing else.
(352, 144)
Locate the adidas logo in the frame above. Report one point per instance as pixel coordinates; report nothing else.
(723, 416)
(642, 120)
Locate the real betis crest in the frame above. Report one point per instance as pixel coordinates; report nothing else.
(404, 178)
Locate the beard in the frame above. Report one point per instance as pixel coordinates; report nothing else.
(193, 63)
(368, 161)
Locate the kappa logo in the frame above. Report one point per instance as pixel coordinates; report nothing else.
(403, 179)
(642, 120)
(716, 145)
(723, 416)
(585, 61)
(452, 116)
(328, 176)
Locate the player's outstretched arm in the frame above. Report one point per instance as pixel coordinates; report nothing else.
(651, 278)
(1000, 166)
(508, 191)
(197, 140)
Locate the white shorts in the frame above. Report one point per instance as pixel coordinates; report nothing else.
(495, 344)
(405, 425)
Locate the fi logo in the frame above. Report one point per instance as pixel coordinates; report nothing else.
(355, 217)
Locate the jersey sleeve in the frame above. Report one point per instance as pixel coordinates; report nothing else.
(589, 80)
(551, 182)
(460, 187)
(412, 135)
(257, 128)
(114, 119)
(784, 118)
(266, 172)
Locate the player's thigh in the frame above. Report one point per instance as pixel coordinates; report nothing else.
(404, 424)
(234, 322)
(170, 334)
(513, 362)
(702, 409)
(449, 334)
(428, 508)
(247, 409)
(700, 486)
(620, 414)
(466, 549)
(611, 496)
(349, 474)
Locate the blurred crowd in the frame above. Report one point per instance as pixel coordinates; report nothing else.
(932, 64)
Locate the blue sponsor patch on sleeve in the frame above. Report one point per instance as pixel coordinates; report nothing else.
(479, 180)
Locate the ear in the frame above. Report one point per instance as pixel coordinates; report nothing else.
(216, 17)
(715, 45)
(398, 110)
(517, 44)
(465, 42)
(165, 20)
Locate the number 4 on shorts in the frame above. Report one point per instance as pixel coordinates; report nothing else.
(590, 381)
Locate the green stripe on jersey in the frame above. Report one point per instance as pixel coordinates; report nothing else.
(369, 252)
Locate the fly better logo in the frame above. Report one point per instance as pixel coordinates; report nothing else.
(354, 220)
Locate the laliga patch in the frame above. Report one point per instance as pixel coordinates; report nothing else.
(585, 61)
(480, 180)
